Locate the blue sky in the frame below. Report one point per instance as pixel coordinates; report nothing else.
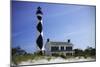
(60, 22)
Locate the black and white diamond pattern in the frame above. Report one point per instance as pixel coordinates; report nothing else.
(39, 40)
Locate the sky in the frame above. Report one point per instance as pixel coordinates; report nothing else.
(60, 23)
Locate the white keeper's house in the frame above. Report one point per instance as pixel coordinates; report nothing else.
(52, 47)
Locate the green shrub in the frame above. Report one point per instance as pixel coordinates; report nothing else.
(63, 56)
(55, 55)
(49, 58)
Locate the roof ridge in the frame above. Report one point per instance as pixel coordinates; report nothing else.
(58, 41)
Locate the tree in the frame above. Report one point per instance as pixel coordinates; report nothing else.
(89, 51)
(78, 52)
(18, 51)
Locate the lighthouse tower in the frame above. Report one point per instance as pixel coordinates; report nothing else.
(39, 39)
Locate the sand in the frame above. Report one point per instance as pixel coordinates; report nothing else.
(55, 60)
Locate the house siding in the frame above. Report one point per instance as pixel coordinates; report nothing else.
(58, 47)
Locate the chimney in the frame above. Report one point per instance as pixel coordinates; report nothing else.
(68, 40)
(48, 40)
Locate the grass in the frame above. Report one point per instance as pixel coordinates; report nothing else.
(20, 58)
(16, 59)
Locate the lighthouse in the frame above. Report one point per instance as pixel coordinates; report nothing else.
(39, 27)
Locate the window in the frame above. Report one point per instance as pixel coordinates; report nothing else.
(68, 48)
(54, 48)
(62, 48)
(68, 54)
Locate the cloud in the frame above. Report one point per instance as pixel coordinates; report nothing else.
(74, 33)
(17, 34)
